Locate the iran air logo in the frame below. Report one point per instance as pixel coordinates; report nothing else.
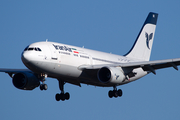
(148, 38)
(74, 50)
(116, 76)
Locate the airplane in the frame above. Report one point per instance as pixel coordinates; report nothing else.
(76, 65)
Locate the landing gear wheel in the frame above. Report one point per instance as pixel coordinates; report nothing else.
(110, 94)
(58, 97)
(62, 96)
(67, 96)
(119, 92)
(43, 87)
(115, 93)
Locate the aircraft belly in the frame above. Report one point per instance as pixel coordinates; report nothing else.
(66, 70)
(72, 74)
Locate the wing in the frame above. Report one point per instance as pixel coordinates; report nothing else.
(145, 65)
(13, 71)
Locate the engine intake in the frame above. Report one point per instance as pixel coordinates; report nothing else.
(111, 75)
(25, 81)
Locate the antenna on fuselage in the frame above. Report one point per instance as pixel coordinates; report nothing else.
(46, 40)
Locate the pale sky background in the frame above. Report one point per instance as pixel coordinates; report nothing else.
(104, 25)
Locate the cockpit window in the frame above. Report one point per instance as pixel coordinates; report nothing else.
(32, 49)
(29, 49)
(39, 49)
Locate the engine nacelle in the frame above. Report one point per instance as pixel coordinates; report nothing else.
(112, 75)
(25, 81)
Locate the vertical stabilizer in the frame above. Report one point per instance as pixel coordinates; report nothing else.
(143, 45)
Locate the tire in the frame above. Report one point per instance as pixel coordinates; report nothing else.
(41, 87)
(120, 92)
(45, 86)
(58, 97)
(67, 96)
(62, 96)
(115, 93)
(110, 94)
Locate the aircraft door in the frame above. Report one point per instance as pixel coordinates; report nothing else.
(90, 60)
(53, 53)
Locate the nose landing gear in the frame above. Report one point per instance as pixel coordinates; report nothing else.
(43, 86)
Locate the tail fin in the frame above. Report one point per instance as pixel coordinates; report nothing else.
(143, 45)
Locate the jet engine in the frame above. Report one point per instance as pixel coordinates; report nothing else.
(25, 81)
(112, 75)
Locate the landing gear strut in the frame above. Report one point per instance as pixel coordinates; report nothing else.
(62, 96)
(115, 93)
(43, 86)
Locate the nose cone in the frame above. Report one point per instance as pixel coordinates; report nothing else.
(26, 57)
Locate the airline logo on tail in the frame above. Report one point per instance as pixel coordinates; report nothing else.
(148, 38)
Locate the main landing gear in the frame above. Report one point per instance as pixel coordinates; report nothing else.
(115, 93)
(62, 96)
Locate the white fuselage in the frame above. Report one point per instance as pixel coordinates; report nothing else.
(63, 62)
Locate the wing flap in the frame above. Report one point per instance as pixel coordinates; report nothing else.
(156, 66)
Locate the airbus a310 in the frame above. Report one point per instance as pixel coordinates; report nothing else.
(75, 65)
